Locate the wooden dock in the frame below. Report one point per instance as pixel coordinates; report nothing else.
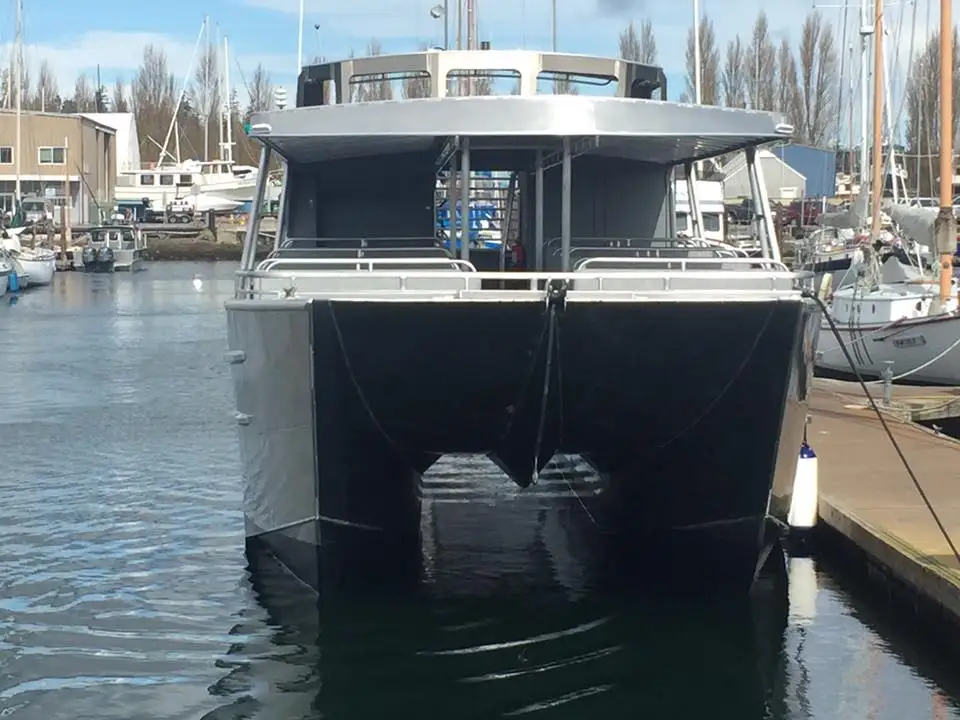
(867, 496)
(910, 402)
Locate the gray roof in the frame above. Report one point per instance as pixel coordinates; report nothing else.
(648, 130)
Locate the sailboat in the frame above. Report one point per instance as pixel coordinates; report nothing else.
(894, 320)
(218, 185)
(33, 266)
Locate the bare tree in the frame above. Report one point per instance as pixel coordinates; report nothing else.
(923, 109)
(733, 80)
(564, 85)
(417, 86)
(483, 85)
(260, 90)
(787, 98)
(377, 87)
(154, 98)
(119, 97)
(760, 59)
(84, 95)
(709, 63)
(642, 48)
(47, 95)
(818, 80)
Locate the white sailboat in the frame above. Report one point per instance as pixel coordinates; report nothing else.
(894, 318)
(34, 266)
(219, 185)
(5, 269)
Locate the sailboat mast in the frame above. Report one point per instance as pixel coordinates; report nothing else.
(877, 182)
(18, 79)
(946, 235)
(864, 96)
(227, 100)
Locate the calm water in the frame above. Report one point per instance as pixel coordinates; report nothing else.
(124, 589)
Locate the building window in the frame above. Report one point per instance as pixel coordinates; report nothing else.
(6, 155)
(166, 179)
(52, 155)
(146, 179)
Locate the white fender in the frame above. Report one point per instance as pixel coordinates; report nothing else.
(803, 503)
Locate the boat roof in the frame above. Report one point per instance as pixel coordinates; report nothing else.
(653, 131)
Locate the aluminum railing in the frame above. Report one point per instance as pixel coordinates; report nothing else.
(655, 263)
(363, 264)
(625, 285)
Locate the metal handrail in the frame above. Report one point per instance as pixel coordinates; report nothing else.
(683, 262)
(269, 264)
(534, 280)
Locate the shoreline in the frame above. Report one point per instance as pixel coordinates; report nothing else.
(196, 251)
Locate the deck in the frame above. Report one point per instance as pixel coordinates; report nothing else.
(867, 496)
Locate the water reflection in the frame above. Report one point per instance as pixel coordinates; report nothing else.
(516, 654)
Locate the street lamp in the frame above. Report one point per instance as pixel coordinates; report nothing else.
(440, 11)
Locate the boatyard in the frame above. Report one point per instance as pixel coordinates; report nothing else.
(478, 382)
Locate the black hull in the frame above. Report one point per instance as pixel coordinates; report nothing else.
(678, 407)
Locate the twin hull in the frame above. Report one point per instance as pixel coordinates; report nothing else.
(692, 413)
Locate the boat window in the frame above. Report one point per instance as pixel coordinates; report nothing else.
(146, 179)
(186, 179)
(550, 83)
(475, 82)
(166, 179)
(683, 222)
(711, 222)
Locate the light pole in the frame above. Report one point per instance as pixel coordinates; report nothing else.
(438, 11)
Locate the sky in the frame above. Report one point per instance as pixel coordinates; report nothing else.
(77, 36)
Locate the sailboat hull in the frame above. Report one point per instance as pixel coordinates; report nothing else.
(926, 350)
(39, 272)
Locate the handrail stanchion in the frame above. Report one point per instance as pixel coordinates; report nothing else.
(256, 211)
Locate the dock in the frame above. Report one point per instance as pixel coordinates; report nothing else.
(868, 499)
(914, 403)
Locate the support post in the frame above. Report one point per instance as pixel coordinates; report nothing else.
(671, 214)
(507, 221)
(281, 209)
(693, 202)
(452, 205)
(538, 212)
(465, 199)
(565, 200)
(256, 211)
(67, 201)
(761, 205)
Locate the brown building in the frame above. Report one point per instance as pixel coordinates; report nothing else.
(54, 147)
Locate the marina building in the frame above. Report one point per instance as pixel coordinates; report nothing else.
(57, 151)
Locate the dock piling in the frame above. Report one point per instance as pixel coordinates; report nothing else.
(887, 376)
